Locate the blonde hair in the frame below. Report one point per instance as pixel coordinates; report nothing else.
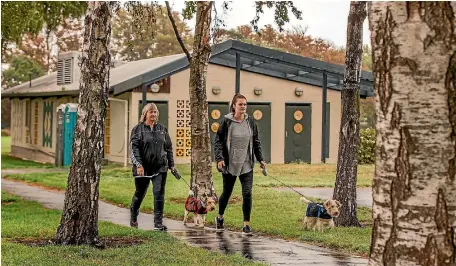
(149, 106)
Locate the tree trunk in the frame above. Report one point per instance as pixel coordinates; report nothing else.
(79, 222)
(201, 162)
(347, 161)
(414, 189)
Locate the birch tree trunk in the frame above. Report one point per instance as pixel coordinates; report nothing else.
(201, 162)
(414, 189)
(79, 222)
(347, 161)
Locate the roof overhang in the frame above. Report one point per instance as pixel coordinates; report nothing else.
(260, 60)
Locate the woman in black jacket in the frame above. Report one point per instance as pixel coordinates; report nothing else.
(151, 154)
(235, 145)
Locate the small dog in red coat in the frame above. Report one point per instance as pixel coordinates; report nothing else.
(199, 208)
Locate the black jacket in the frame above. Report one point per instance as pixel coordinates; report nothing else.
(151, 149)
(220, 145)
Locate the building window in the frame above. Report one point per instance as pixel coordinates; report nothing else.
(47, 123)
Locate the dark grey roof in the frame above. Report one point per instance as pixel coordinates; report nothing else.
(259, 60)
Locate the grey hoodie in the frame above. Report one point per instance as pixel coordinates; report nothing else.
(239, 143)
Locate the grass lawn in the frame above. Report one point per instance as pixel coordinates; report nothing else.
(9, 162)
(274, 213)
(29, 220)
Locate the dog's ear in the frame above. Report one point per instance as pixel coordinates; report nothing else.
(327, 203)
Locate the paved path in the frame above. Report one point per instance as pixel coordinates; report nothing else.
(273, 251)
(363, 195)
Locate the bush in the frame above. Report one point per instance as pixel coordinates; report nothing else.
(366, 152)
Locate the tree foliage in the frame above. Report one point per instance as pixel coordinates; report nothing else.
(19, 18)
(20, 70)
(151, 40)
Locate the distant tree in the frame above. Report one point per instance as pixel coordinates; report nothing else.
(69, 35)
(19, 18)
(133, 43)
(20, 70)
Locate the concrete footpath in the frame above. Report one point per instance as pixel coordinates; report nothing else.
(265, 249)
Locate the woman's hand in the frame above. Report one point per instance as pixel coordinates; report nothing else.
(263, 165)
(140, 170)
(221, 165)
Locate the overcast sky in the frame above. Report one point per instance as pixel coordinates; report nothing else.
(326, 19)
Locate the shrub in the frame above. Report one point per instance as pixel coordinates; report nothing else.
(366, 152)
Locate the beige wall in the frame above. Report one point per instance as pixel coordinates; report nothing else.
(276, 91)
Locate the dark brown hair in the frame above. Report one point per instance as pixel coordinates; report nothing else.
(235, 99)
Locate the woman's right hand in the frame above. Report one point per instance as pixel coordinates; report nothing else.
(221, 165)
(140, 171)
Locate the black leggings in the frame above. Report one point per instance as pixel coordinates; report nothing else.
(228, 185)
(142, 183)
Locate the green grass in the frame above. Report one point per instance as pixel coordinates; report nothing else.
(25, 219)
(9, 162)
(275, 213)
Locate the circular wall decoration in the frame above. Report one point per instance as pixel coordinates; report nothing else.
(298, 115)
(215, 126)
(297, 128)
(257, 115)
(215, 114)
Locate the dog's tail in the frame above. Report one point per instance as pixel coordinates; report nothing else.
(190, 193)
(304, 199)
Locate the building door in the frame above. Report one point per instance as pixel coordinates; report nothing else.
(162, 107)
(217, 110)
(261, 113)
(298, 125)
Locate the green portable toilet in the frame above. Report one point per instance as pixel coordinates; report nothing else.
(69, 123)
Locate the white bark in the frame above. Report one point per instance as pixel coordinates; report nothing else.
(414, 188)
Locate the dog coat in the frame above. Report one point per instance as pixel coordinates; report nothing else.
(194, 205)
(317, 210)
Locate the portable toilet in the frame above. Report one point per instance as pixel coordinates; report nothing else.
(69, 123)
(66, 122)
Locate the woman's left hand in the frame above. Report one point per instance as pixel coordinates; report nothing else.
(263, 165)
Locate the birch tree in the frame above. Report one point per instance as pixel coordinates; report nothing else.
(414, 189)
(79, 221)
(201, 160)
(347, 159)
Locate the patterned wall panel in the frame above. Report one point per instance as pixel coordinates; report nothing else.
(17, 121)
(183, 131)
(47, 123)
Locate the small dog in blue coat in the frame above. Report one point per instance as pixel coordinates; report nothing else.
(320, 214)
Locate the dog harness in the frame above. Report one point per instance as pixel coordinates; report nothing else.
(194, 205)
(317, 210)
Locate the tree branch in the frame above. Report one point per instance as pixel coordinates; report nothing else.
(170, 16)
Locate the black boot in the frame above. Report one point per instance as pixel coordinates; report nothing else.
(134, 218)
(158, 222)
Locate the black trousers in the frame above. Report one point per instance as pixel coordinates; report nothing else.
(228, 185)
(158, 188)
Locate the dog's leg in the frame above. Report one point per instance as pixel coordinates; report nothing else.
(304, 222)
(200, 220)
(320, 225)
(204, 220)
(185, 217)
(331, 224)
(195, 219)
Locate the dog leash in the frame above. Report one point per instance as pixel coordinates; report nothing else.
(287, 186)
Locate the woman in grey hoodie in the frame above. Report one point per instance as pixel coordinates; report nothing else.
(235, 145)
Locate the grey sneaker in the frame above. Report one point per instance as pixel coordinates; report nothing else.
(219, 224)
(246, 230)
